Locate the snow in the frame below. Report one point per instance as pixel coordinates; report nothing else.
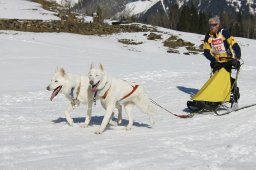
(23, 9)
(34, 133)
(164, 8)
(65, 2)
(236, 5)
(137, 7)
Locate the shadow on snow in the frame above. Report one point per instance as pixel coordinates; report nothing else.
(96, 120)
(190, 91)
(187, 90)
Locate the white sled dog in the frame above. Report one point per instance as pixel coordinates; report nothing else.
(113, 92)
(77, 90)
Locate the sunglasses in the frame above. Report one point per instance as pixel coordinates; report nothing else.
(212, 25)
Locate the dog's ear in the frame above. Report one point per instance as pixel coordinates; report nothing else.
(92, 65)
(101, 67)
(62, 72)
(57, 69)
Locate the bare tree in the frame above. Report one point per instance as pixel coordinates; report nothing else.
(67, 5)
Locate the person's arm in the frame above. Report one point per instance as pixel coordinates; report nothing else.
(208, 55)
(233, 43)
(237, 50)
(207, 49)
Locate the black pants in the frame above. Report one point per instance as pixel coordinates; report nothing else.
(235, 90)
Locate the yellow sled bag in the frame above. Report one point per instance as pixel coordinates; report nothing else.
(216, 89)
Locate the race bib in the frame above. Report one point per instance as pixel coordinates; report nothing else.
(218, 45)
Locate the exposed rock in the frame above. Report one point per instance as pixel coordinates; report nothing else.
(72, 26)
(153, 36)
(173, 42)
(129, 42)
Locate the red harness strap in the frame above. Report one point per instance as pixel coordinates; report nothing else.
(134, 88)
(106, 93)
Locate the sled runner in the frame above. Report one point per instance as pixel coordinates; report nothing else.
(220, 93)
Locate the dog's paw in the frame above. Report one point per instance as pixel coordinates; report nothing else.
(70, 122)
(128, 128)
(119, 122)
(112, 123)
(98, 132)
(84, 125)
(152, 122)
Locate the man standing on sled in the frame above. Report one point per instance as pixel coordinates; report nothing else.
(222, 50)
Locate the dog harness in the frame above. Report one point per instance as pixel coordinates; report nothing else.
(74, 100)
(106, 93)
(133, 89)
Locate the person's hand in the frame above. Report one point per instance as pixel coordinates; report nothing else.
(235, 63)
(216, 65)
(232, 64)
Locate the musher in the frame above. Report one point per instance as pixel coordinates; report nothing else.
(222, 50)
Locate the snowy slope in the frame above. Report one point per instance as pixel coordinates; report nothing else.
(23, 9)
(64, 2)
(34, 134)
(137, 7)
(148, 8)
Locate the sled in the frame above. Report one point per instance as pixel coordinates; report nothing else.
(219, 93)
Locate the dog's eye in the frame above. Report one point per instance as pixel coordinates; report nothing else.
(56, 81)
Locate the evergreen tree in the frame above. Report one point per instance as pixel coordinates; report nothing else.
(226, 20)
(174, 16)
(100, 14)
(202, 23)
(251, 26)
(183, 24)
(239, 29)
(189, 19)
(193, 19)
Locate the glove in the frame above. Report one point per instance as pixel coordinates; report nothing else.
(216, 65)
(212, 64)
(234, 63)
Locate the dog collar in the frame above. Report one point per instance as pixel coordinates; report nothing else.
(77, 92)
(72, 92)
(104, 95)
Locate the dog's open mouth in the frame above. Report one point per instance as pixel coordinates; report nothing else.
(94, 87)
(55, 92)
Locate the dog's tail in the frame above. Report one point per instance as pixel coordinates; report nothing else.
(145, 105)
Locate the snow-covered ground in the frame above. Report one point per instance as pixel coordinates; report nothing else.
(34, 133)
(65, 2)
(24, 9)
